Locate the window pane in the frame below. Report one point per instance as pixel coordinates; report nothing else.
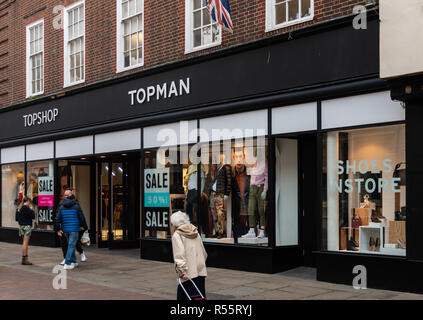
(139, 5)
(124, 9)
(70, 30)
(134, 24)
(127, 27)
(207, 35)
(139, 39)
(12, 190)
(364, 205)
(81, 13)
(140, 22)
(131, 7)
(31, 37)
(32, 48)
(280, 14)
(197, 19)
(78, 60)
(72, 61)
(72, 75)
(140, 55)
(76, 31)
(81, 28)
(70, 17)
(198, 4)
(197, 38)
(305, 8)
(216, 31)
(206, 17)
(133, 57)
(38, 73)
(126, 42)
(33, 74)
(293, 10)
(126, 59)
(77, 74)
(134, 41)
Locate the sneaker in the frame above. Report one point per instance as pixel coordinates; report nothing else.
(261, 234)
(69, 266)
(250, 234)
(74, 264)
(83, 257)
(63, 262)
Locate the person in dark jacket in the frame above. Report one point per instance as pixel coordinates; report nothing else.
(69, 221)
(64, 240)
(24, 216)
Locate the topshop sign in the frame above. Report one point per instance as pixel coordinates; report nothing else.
(41, 117)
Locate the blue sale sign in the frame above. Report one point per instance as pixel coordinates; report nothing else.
(156, 188)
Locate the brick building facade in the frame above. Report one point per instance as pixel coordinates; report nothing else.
(164, 38)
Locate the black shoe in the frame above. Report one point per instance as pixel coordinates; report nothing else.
(352, 246)
(354, 243)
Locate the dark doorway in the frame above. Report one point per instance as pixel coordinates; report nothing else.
(118, 201)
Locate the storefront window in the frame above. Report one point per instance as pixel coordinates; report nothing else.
(364, 207)
(234, 203)
(40, 188)
(13, 189)
(165, 190)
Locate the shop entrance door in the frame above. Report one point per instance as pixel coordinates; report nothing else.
(117, 186)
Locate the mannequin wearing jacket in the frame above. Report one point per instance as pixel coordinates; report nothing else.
(221, 189)
(240, 192)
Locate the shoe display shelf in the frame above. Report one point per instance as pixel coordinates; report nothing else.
(377, 230)
(216, 240)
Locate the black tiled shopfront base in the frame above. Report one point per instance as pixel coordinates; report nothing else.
(38, 237)
(244, 258)
(383, 272)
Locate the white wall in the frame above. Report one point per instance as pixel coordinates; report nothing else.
(286, 192)
(401, 48)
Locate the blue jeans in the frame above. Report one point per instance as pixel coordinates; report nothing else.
(72, 240)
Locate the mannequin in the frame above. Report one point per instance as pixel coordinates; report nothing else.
(19, 189)
(257, 196)
(190, 181)
(241, 189)
(220, 191)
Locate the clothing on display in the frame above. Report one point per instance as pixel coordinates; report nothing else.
(240, 195)
(221, 187)
(257, 196)
(192, 194)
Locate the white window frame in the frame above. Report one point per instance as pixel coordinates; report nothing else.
(270, 16)
(66, 78)
(120, 41)
(189, 39)
(28, 59)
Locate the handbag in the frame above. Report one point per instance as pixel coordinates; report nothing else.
(356, 221)
(196, 296)
(85, 239)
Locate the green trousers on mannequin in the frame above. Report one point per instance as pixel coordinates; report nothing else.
(256, 205)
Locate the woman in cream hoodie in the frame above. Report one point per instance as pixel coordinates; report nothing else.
(188, 253)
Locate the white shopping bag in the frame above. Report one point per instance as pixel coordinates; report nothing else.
(86, 238)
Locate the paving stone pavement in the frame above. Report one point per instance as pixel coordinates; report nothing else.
(121, 274)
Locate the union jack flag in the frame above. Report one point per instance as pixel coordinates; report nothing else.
(220, 12)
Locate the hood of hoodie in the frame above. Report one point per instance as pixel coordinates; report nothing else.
(188, 231)
(68, 203)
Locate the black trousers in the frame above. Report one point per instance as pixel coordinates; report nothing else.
(192, 203)
(64, 244)
(200, 282)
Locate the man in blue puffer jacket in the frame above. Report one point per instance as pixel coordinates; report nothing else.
(69, 221)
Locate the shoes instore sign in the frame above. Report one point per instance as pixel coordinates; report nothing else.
(156, 199)
(252, 72)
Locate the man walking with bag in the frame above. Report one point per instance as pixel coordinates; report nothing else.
(69, 222)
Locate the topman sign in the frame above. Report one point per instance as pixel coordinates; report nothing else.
(160, 91)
